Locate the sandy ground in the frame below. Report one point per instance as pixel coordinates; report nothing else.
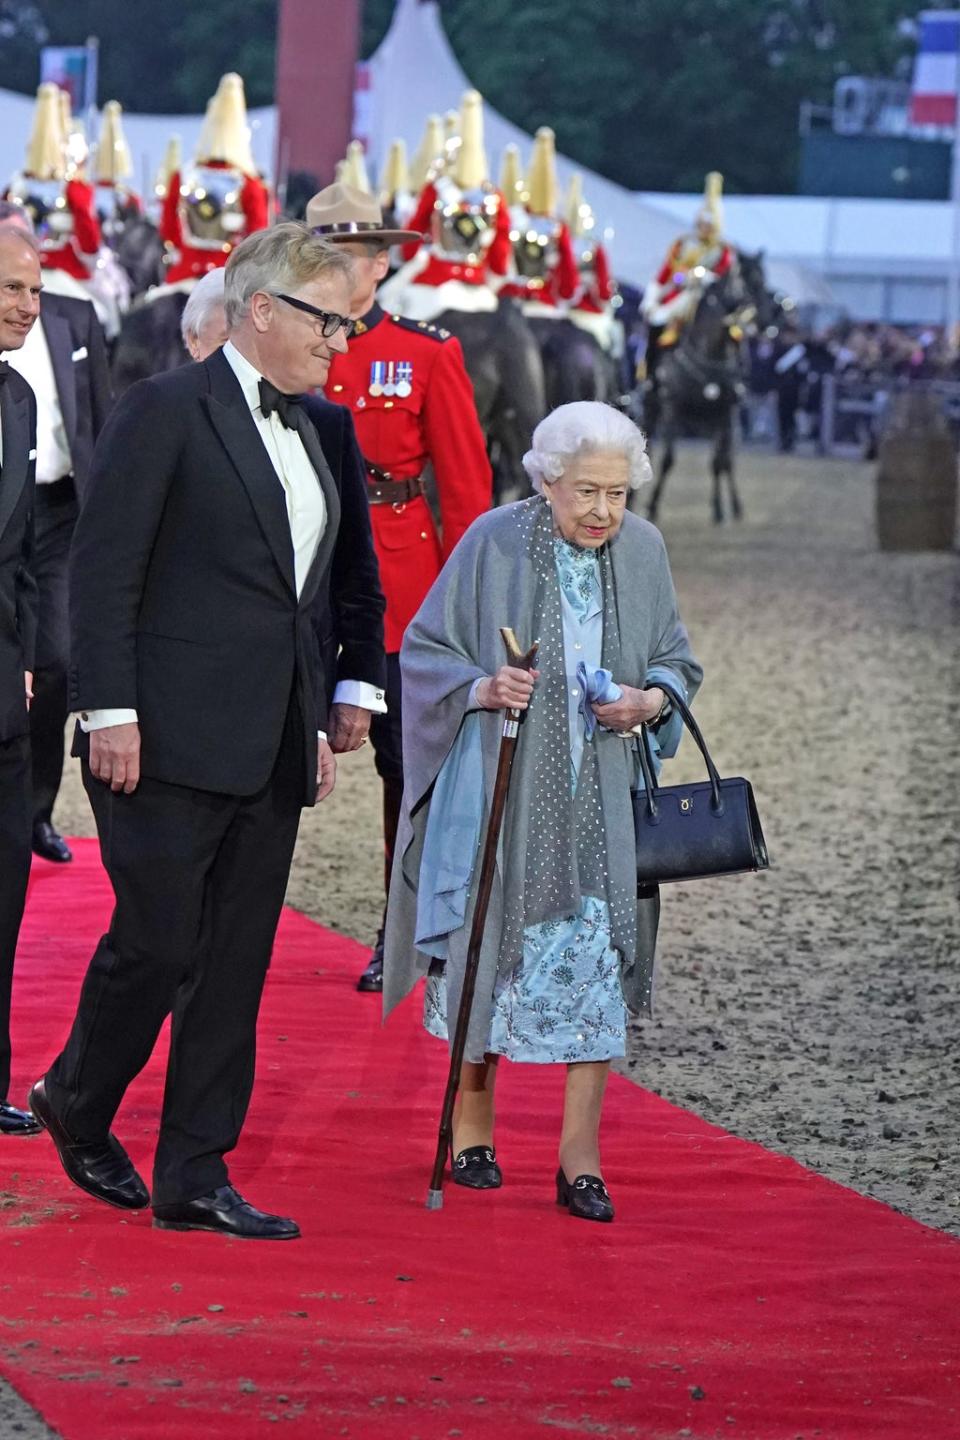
(812, 1009)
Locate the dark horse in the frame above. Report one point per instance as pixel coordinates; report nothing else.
(504, 365)
(575, 366)
(699, 384)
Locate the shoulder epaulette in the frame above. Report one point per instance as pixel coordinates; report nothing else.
(422, 327)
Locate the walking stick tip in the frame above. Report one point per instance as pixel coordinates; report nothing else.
(434, 1199)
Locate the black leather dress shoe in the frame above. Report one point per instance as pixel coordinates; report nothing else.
(104, 1170)
(586, 1197)
(477, 1168)
(226, 1211)
(17, 1122)
(372, 977)
(50, 844)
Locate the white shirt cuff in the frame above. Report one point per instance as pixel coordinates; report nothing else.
(360, 693)
(472, 702)
(321, 734)
(100, 719)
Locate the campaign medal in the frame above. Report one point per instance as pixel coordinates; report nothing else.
(404, 378)
(390, 387)
(361, 402)
(378, 370)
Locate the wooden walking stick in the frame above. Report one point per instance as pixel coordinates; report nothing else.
(508, 744)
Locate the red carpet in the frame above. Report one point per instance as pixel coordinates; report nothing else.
(735, 1295)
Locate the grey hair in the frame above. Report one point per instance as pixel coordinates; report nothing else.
(13, 210)
(585, 426)
(205, 296)
(281, 258)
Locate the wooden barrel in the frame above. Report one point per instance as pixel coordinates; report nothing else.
(916, 499)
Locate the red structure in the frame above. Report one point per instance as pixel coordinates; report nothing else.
(318, 44)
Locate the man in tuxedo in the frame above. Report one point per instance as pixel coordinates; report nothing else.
(19, 306)
(64, 361)
(213, 549)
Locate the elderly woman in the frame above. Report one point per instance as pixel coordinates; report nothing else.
(568, 947)
(203, 323)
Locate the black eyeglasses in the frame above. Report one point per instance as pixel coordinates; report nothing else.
(330, 322)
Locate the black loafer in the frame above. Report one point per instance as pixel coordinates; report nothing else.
(586, 1197)
(49, 844)
(372, 978)
(225, 1211)
(104, 1170)
(17, 1122)
(477, 1168)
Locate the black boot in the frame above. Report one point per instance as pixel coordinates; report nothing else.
(372, 978)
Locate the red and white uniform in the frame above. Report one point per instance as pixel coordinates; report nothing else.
(429, 418)
(670, 298)
(194, 260)
(435, 278)
(554, 289)
(77, 252)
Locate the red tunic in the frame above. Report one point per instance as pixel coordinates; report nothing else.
(77, 255)
(193, 261)
(436, 423)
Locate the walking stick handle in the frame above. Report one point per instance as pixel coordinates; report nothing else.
(523, 660)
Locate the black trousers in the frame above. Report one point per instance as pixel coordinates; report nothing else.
(199, 881)
(386, 736)
(55, 516)
(14, 873)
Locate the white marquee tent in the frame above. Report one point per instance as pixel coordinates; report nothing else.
(880, 259)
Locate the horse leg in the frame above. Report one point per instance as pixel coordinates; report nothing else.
(666, 463)
(735, 506)
(717, 466)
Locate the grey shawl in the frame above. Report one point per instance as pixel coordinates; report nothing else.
(490, 581)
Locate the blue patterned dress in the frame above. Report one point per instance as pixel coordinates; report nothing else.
(563, 1002)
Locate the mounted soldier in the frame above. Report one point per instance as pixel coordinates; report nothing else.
(207, 210)
(450, 279)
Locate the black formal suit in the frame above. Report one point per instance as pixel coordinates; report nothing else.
(184, 608)
(78, 358)
(18, 634)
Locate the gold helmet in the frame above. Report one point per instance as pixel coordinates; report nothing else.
(211, 190)
(41, 186)
(467, 203)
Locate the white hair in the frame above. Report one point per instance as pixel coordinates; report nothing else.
(205, 296)
(585, 426)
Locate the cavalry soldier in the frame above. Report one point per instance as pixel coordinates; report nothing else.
(116, 202)
(59, 200)
(218, 202)
(544, 278)
(460, 250)
(694, 262)
(412, 405)
(593, 307)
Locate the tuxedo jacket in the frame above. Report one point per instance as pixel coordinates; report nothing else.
(78, 353)
(182, 596)
(18, 592)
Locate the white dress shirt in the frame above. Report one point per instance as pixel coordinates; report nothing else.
(307, 513)
(33, 362)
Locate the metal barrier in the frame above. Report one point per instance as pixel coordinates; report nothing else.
(853, 410)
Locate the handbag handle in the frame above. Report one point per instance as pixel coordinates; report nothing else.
(649, 782)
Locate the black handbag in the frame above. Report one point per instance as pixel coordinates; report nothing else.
(689, 832)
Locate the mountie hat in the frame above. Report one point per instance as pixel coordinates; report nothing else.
(342, 212)
(113, 153)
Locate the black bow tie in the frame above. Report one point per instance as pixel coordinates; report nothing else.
(287, 407)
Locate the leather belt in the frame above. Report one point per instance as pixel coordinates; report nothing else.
(382, 489)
